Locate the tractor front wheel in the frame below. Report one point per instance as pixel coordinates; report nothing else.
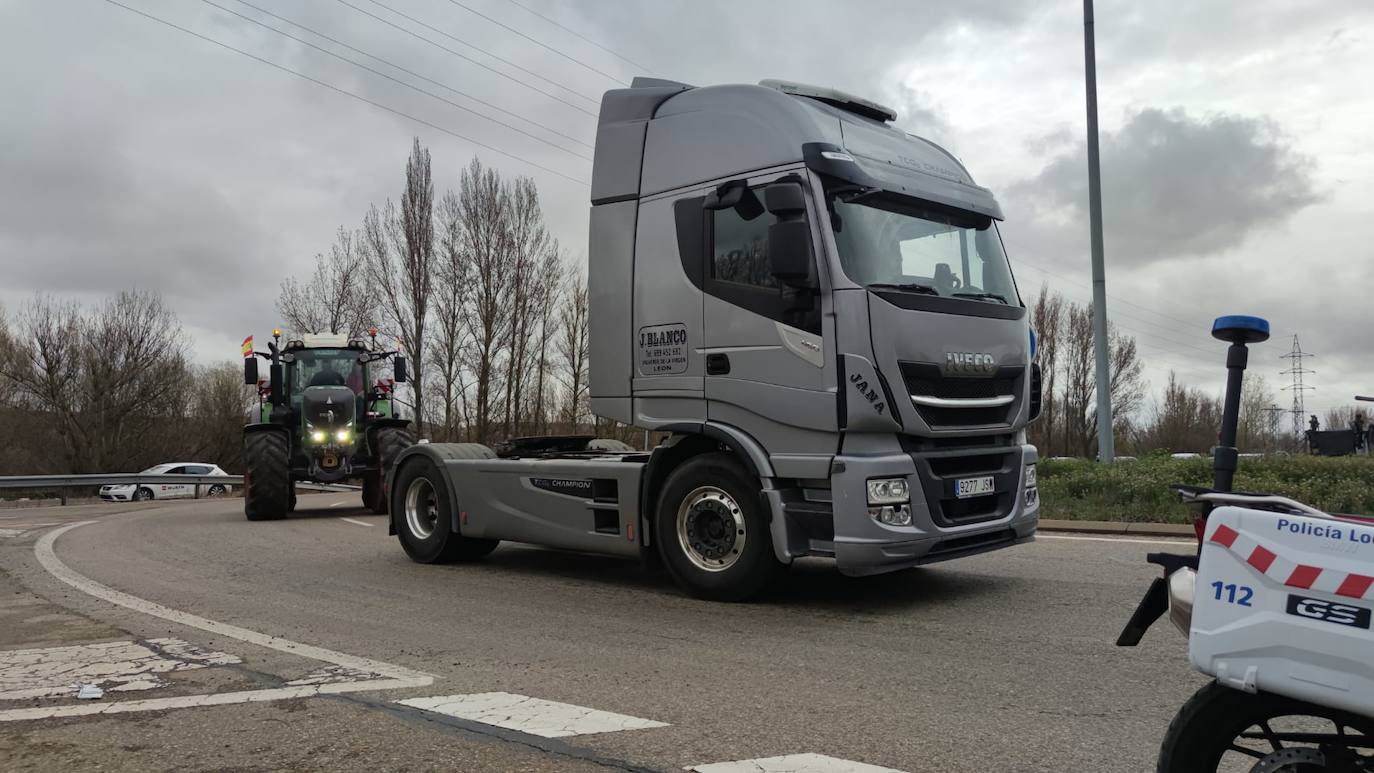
(268, 490)
(387, 444)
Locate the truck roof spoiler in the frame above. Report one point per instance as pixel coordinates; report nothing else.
(836, 98)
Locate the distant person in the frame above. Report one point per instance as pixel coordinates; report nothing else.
(327, 376)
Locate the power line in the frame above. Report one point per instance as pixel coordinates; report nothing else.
(582, 37)
(346, 92)
(381, 74)
(1191, 327)
(410, 72)
(438, 31)
(541, 44)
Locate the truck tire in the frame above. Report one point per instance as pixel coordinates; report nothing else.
(424, 512)
(267, 491)
(1213, 719)
(388, 443)
(712, 530)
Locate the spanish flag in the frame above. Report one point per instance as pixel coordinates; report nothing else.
(248, 346)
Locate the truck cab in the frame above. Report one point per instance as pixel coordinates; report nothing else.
(819, 305)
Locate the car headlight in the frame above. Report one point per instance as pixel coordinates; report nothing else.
(888, 491)
(319, 436)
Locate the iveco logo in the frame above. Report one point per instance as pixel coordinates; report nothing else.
(969, 364)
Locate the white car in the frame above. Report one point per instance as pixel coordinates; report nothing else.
(141, 492)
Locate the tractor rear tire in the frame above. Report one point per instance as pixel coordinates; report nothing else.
(268, 490)
(387, 444)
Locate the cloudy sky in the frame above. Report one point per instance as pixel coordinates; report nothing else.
(1238, 172)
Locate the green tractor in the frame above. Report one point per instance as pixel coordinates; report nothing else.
(322, 417)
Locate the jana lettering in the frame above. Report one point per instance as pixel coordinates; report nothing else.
(861, 384)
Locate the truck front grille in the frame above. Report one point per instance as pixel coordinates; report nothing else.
(957, 402)
(939, 472)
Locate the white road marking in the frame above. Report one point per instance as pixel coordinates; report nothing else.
(549, 719)
(1119, 539)
(337, 504)
(792, 763)
(394, 677)
(11, 533)
(353, 520)
(52, 672)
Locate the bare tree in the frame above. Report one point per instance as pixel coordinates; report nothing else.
(486, 241)
(1048, 322)
(1078, 405)
(217, 405)
(1186, 420)
(399, 252)
(572, 349)
(452, 274)
(335, 299)
(107, 382)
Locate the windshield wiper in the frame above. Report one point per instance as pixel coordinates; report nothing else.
(911, 287)
(983, 297)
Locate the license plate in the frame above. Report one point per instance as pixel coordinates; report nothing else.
(973, 487)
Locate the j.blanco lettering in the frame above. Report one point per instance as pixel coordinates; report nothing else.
(669, 337)
(1332, 532)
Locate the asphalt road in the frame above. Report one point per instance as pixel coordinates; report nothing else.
(1002, 662)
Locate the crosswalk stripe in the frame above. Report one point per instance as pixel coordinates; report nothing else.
(522, 713)
(792, 763)
(546, 718)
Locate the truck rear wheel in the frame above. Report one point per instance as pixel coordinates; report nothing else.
(423, 515)
(267, 490)
(712, 531)
(387, 444)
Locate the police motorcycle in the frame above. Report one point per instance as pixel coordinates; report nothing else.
(1276, 604)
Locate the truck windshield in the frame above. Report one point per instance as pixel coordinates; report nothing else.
(889, 243)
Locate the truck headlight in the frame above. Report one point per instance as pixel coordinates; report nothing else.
(319, 436)
(888, 491)
(889, 501)
(1032, 494)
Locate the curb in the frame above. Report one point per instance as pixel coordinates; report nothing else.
(1118, 527)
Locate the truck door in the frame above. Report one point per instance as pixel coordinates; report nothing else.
(769, 365)
(668, 335)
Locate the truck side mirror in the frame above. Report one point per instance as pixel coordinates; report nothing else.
(399, 369)
(250, 370)
(789, 252)
(789, 239)
(785, 199)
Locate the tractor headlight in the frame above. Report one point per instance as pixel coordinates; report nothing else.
(343, 436)
(319, 436)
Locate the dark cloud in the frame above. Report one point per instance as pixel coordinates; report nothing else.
(1174, 186)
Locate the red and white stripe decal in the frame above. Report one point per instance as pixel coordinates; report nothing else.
(1290, 573)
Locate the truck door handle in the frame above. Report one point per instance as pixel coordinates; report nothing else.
(717, 364)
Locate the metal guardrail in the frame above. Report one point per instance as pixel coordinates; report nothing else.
(112, 479)
(138, 478)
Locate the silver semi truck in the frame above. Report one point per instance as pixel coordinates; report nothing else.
(817, 307)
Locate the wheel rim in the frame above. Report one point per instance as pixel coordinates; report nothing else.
(1294, 742)
(710, 529)
(143, 495)
(216, 490)
(422, 508)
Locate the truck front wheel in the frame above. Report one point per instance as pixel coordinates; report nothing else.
(422, 510)
(712, 531)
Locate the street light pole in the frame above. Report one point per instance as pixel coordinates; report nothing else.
(1106, 449)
